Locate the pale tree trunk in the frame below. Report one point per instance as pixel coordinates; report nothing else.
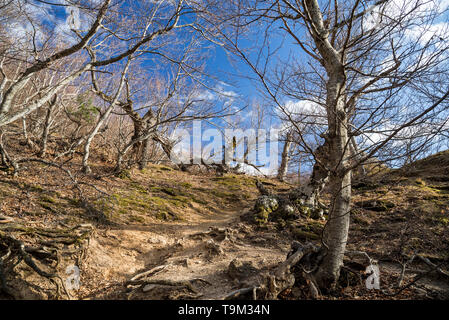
(47, 125)
(25, 133)
(337, 228)
(282, 172)
(336, 231)
(144, 132)
(90, 138)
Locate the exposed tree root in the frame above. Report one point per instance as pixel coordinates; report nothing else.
(420, 274)
(146, 285)
(282, 278)
(136, 279)
(41, 250)
(241, 292)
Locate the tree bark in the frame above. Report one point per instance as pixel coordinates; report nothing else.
(47, 125)
(25, 133)
(310, 192)
(143, 161)
(282, 172)
(337, 228)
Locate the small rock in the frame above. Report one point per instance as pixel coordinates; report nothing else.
(264, 206)
(186, 262)
(149, 287)
(157, 240)
(241, 269)
(214, 248)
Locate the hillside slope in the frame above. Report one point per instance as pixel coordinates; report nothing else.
(161, 233)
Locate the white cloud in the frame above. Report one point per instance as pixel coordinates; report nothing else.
(395, 9)
(302, 111)
(424, 33)
(305, 108)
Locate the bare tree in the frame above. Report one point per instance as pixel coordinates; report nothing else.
(285, 157)
(369, 65)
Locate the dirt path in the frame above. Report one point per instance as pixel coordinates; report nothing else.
(200, 248)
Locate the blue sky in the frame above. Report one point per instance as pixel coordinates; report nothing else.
(229, 77)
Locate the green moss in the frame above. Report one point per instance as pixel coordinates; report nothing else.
(135, 218)
(444, 221)
(300, 234)
(164, 168)
(47, 206)
(200, 201)
(167, 215)
(35, 188)
(131, 201)
(420, 182)
(262, 212)
(74, 201)
(220, 193)
(169, 191)
(182, 199)
(261, 216)
(185, 185)
(146, 204)
(45, 198)
(137, 186)
(124, 174)
(158, 201)
(162, 215)
(234, 180)
(305, 210)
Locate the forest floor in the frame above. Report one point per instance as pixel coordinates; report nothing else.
(193, 236)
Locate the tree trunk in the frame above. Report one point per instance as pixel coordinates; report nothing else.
(336, 231)
(143, 161)
(282, 172)
(310, 192)
(47, 125)
(25, 133)
(90, 138)
(337, 228)
(137, 148)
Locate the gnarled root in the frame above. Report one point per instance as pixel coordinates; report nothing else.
(41, 250)
(283, 277)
